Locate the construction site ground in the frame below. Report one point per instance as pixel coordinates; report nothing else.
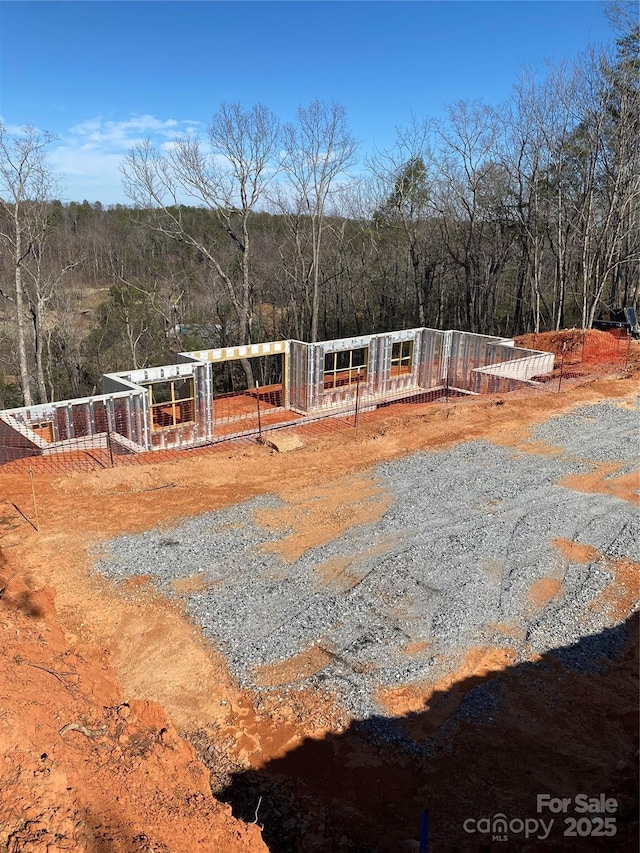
(432, 612)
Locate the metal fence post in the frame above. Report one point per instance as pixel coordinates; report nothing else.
(564, 349)
(424, 832)
(33, 495)
(628, 353)
(357, 401)
(109, 446)
(259, 418)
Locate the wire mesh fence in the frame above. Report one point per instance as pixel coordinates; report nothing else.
(323, 389)
(238, 419)
(585, 346)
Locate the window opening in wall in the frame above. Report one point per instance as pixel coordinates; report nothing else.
(343, 367)
(44, 429)
(172, 403)
(401, 358)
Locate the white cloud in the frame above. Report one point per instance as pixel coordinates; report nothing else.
(87, 162)
(89, 155)
(12, 129)
(89, 173)
(122, 133)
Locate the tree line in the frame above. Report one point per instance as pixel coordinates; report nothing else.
(496, 220)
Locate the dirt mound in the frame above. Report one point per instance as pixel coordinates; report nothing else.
(589, 346)
(83, 769)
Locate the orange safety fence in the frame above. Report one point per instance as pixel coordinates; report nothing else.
(82, 437)
(582, 346)
(238, 419)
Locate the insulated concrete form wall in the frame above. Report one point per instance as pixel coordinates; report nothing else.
(375, 382)
(113, 422)
(298, 384)
(217, 356)
(382, 380)
(439, 359)
(191, 434)
(509, 362)
(434, 355)
(121, 420)
(477, 364)
(322, 399)
(466, 353)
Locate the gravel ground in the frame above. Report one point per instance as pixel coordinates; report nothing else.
(470, 529)
(599, 433)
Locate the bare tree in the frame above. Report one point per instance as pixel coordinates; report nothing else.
(402, 184)
(526, 159)
(318, 150)
(470, 211)
(26, 186)
(229, 178)
(612, 124)
(295, 258)
(44, 274)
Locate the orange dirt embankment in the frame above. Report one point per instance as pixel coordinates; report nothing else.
(84, 770)
(590, 345)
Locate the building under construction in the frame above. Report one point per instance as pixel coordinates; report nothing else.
(198, 401)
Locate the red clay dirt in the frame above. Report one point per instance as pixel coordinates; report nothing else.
(82, 768)
(589, 346)
(128, 670)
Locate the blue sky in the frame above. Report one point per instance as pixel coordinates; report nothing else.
(101, 75)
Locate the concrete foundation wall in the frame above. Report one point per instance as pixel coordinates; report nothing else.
(86, 422)
(425, 360)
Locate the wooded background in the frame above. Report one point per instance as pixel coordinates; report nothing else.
(497, 220)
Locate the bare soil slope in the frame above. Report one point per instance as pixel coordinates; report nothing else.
(95, 694)
(82, 768)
